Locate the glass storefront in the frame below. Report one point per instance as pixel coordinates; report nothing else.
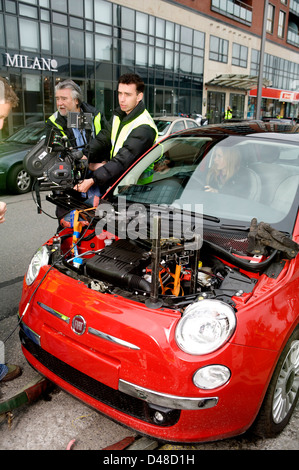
(94, 42)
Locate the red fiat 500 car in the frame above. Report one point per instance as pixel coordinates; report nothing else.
(173, 307)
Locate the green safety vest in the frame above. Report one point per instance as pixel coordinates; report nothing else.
(96, 122)
(118, 141)
(228, 114)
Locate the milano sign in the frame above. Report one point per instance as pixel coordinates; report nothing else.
(25, 62)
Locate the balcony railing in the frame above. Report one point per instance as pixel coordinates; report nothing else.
(293, 37)
(294, 7)
(236, 10)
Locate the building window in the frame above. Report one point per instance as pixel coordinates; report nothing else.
(270, 18)
(218, 49)
(60, 41)
(240, 55)
(12, 32)
(285, 2)
(281, 24)
(59, 5)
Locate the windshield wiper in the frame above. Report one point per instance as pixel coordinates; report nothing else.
(242, 228)
(211, 218)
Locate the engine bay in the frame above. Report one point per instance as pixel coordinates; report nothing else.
(162, 272)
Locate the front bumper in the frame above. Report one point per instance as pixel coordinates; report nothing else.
(137, 370)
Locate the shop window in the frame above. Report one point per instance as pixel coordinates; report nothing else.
(49, 101)
(237, 103)
(32, 98)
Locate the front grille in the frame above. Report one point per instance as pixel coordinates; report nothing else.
(91, 387)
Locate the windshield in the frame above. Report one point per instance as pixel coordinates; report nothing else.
(27, 135)
(237, 178)
(162, 126)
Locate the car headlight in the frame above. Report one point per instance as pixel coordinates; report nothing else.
(41, 258)
(205, 326)
(212, 376)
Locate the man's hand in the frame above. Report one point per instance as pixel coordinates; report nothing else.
(84, 186)
(2, 211)
(95, 166)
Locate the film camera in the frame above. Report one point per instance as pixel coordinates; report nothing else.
(53, 162)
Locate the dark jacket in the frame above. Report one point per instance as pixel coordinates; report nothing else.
(137, 143)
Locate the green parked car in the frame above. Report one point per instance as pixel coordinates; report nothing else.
(13, 176)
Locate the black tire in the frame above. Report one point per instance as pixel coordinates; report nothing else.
(18, 180)
(283, 391)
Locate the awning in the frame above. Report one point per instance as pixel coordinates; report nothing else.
(277, 94)
(242, 82)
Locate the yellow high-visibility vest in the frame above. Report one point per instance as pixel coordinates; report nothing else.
(143, 118)
(96, 122)
(228, 114)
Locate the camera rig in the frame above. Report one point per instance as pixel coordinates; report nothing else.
(54, 163)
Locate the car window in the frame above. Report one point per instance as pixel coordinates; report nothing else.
(178, 126)
(27, 135)
(162, 126)
(261, 182)
(191, 124)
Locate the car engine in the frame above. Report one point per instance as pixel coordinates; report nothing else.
(159, 272)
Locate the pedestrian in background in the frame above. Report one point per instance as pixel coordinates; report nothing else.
(8, 100)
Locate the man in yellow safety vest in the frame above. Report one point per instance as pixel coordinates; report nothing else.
(69, 99)
(132, 132)
(228, 113)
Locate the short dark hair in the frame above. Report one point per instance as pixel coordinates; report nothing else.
(129, 78)
(7, 94)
